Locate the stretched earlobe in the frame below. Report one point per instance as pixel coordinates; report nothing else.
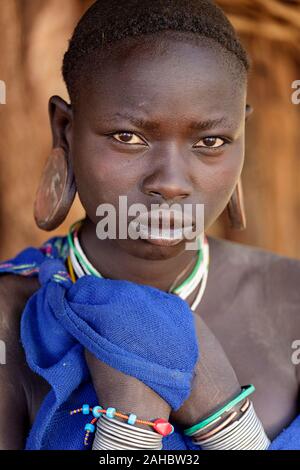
(249, 111)
(56, 191)
(236, 209)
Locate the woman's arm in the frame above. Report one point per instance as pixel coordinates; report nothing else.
(215, 382)
(214, 385)
(13, 409)
(125, 393)
(13, 403)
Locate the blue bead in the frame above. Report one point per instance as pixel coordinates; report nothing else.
(96, 411)
(110, 412)
(131, 418)
(89, 427)
(86, 409)
(172, 430)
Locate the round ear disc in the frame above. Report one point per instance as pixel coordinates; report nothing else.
(56, 191)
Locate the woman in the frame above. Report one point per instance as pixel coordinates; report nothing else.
(157, 114)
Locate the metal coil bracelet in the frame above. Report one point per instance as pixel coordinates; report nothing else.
(112, 434)
(246, 433)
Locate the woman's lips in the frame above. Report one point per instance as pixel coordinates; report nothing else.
(165, 218)
(162, 241)
(164, 228)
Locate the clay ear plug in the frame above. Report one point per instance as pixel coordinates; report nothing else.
(56, 191)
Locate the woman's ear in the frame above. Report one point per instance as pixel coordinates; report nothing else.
(57, 188)
(61, 120)
(249, 111)
(235, 206)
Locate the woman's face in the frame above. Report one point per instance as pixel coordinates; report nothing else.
(159, 122)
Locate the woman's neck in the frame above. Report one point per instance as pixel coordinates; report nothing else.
(114, 263)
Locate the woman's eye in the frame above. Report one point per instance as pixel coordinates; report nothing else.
(211, 142)
(128, 138)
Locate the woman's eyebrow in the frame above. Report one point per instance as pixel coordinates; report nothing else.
(210, 124)
(135, 120)
(155, 125)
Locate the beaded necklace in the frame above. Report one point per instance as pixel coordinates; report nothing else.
(79, 265)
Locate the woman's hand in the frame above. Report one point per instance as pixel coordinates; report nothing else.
(125, 393)
(145, 331)
(215, 382)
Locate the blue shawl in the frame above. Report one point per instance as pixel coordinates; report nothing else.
(104, 316)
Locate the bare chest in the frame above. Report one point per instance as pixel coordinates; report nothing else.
(262, 356)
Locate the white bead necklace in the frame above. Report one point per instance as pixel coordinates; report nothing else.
(197, 279)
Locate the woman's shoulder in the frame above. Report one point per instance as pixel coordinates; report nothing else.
(248, 255)
(15, 290)
(14, 373)
(261, 277)
(19, 281)
(19, 275)
(282, 272)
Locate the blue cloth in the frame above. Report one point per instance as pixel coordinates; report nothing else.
(131, 327)
(124, 325)
(289, 438)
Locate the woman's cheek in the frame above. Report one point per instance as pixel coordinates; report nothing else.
(102, 183)
(217, 189)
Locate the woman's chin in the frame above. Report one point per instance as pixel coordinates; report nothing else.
(155, 249)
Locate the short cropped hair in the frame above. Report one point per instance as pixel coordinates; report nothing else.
(109, 21)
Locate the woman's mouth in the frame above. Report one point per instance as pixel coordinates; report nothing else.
(164, 228)
(161, 237)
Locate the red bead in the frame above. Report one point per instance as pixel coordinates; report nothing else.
(163, 427)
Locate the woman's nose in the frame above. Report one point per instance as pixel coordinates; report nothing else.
(168, 180)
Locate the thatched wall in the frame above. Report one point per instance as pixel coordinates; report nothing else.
(34, 35)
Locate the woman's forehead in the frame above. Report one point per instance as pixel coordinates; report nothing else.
(180, 76)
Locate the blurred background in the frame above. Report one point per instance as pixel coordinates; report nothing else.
(33, 38)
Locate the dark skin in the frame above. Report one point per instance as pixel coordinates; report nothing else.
(244, 333)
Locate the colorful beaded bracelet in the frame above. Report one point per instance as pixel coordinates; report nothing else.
(246, 391)
(160, 425)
